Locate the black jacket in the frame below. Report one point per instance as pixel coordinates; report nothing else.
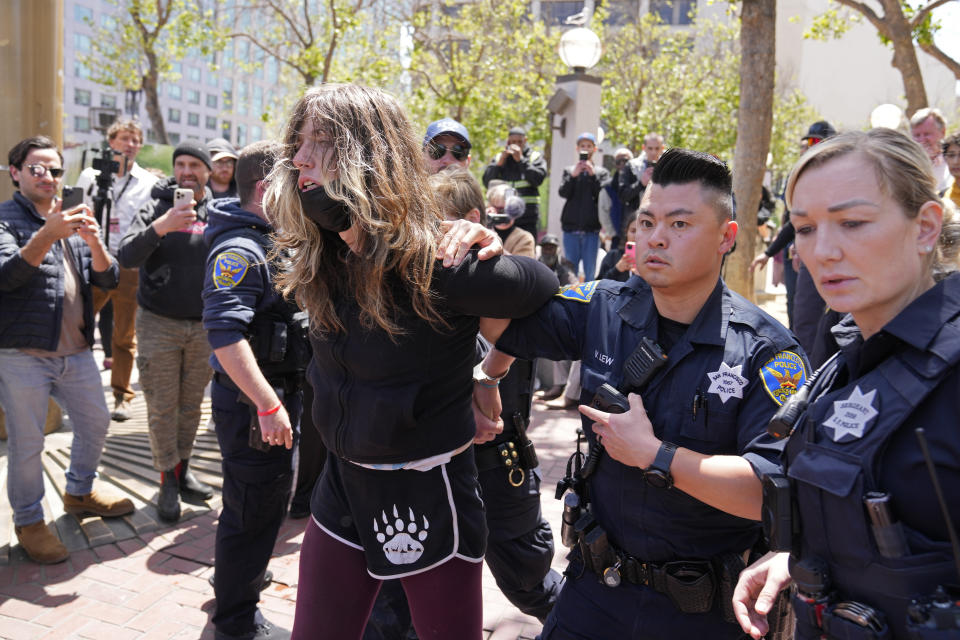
(31, 298)
(379, 400)
(581, 194)
(525, 176)
(171, 267)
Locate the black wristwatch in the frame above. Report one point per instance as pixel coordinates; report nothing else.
(658, 474)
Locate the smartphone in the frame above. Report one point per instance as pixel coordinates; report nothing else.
(584, 156)
(71, 197)
(630, 249)
(182, 195)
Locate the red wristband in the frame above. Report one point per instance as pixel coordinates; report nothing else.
(271, 412)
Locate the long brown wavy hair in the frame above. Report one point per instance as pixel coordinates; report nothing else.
(381, 175)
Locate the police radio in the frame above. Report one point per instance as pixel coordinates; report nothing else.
(940, 610)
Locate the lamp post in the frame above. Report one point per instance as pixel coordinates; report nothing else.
(574, 108)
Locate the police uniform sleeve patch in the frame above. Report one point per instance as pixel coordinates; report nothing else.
(783, 375)
(578, 292)
(229, 269)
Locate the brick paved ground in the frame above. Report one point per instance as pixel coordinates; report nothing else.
(140, 579)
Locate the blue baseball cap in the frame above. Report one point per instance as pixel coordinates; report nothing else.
(448, 126)
(586, 135)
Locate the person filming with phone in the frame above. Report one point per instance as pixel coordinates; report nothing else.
(49, 261)
(580, 187)
(165, 241)
(621, 262)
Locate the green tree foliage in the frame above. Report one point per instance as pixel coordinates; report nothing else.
(686, 86)
(137, 49)
(487, 64)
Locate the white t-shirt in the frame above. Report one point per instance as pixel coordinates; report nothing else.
(128, 194)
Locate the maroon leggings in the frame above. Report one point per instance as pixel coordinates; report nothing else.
(336, 594)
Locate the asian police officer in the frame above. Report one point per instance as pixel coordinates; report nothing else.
(675, 497)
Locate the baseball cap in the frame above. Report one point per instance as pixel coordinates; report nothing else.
(448, 126)
(220, 148)
(820, 129)
(550, 239)
(586, 135)
(517, 131)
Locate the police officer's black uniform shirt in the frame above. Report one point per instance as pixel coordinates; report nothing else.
(734, 363)
(903, 472)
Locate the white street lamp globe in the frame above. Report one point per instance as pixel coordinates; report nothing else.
(580, 49)
(886, 115)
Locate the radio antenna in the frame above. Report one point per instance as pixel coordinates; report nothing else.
(921, 436)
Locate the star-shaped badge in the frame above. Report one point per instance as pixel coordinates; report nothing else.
(727, 382)
(850, 417)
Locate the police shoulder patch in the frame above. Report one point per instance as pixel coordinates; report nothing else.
(783, 375)
(229, 269)
(578, 292)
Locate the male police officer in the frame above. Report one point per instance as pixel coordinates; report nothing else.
(523, 169)
(676, 495)
(263, 376)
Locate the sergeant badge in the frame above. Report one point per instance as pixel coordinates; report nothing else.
(783, 375)
(850, 416)
(229, 269)
(578, 292)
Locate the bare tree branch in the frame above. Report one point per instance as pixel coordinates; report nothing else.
(923, 11)
(867, 12)
(933, 50)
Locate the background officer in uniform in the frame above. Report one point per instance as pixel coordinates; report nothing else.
(677, 491)
(523, 169)
(258, 376)
(873, 540)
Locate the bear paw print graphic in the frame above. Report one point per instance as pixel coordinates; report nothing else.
(402, 541)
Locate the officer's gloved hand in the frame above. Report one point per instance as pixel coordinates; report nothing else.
(757, 590)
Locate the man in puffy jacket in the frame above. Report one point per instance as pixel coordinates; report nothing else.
(165, 241)
(48, 261)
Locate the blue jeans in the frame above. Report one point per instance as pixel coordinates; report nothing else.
(26, 384)
(582, 246)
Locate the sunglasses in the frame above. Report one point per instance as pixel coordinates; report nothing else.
(38, 171)
(458, 151)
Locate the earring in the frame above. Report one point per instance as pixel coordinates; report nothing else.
(927, 249)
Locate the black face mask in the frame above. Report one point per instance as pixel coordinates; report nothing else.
(327, 213)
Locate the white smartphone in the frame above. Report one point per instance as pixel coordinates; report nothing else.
(181, 196)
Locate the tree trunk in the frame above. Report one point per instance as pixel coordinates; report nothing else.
(758, 20)
(905, 55)
(152, 101)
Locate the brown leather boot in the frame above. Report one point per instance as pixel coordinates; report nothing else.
(97, 503)
(41, 544)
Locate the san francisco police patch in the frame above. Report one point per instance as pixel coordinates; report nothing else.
(578, 292)
(229, 269)
(783, 375)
